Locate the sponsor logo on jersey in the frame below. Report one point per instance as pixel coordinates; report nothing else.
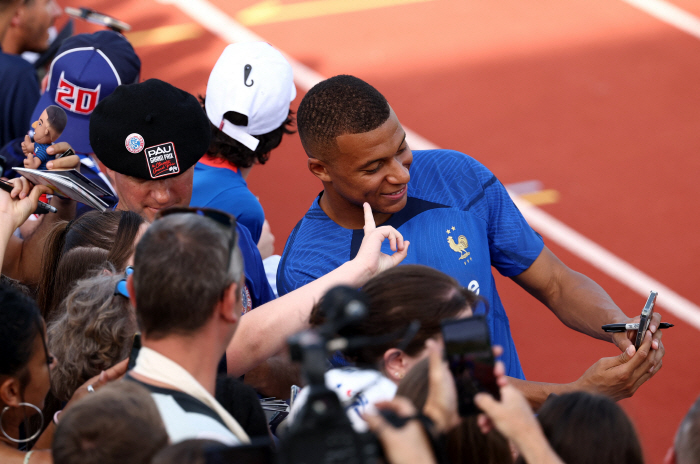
(460, 246)
(162, 160)
(134, 143)
(74, 98)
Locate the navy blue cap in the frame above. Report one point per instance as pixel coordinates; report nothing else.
(87, 68)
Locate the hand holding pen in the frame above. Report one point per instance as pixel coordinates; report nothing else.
(22, 200)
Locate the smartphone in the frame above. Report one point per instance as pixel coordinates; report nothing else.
(645, 318)
(470, 357)
(135, 348)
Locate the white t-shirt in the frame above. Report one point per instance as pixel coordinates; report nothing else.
(346, 382)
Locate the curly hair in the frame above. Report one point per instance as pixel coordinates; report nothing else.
(223, 146)
(91, 334)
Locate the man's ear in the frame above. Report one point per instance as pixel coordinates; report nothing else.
(130, 289)
(395, 363)
(230, 303)
(670, 457)
(108, 172)
(319, 169)
(10, 392)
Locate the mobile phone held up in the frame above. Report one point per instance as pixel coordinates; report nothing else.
(470, 357)
(645, 319)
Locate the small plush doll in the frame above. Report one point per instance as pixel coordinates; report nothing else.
(47, 130)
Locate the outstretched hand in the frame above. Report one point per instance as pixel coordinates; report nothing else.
(66, 162)
(401, 445)
(370, 254)
(620, 376)
(103, 378)
(16, 207)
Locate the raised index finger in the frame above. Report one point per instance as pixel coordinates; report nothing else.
(369, 219)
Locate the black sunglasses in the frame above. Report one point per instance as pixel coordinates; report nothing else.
(222, 218)
(120, 288)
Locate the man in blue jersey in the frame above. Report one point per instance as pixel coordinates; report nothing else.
(457, 214)
(247, 103)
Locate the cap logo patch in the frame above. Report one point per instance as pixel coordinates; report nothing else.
(134, 143)
(246, 72)
(162, 160)
(75, 98)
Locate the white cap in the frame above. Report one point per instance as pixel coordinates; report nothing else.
(253, 79)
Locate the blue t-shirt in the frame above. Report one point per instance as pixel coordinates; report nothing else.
(458, 218)
(40, 152)
(19, 94)
(218, 184)
(255, 279)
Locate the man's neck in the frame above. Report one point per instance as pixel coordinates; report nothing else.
(194, 354)
(10, 45)
(346, 214)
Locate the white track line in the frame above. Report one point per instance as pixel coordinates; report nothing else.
(222, 25)
(670, 14)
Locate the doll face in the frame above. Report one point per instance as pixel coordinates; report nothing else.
(43, 132)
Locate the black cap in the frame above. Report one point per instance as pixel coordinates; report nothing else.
(149, 130)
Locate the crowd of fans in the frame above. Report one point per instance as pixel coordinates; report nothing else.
(153, 332)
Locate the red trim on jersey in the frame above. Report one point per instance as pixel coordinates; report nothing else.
(215, 162)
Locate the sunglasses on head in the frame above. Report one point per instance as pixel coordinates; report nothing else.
(120, 288)
(220, 217)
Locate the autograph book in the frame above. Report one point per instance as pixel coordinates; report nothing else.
(68, 183)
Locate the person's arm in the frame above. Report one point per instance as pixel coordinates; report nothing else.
(405, 445)
(579, 302)
(513, 417)
(616, 377)
(15, 208)
(23, 257)
(115, 372)
(263, 332)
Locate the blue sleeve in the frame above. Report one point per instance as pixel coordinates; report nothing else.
(255, 277)
(314, 248)
(242, 204)
(513, 244)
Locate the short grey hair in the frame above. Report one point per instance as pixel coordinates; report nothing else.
(180, 275)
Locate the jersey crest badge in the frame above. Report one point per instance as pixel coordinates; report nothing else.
(460, 246)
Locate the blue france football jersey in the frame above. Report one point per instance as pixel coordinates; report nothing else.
(458, 218)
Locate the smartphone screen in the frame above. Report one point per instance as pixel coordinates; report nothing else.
(645, 319)
(469, 355)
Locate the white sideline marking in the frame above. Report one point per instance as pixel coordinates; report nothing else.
(220, 24)
(670, 14)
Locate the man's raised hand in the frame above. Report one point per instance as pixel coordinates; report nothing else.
(370, 254)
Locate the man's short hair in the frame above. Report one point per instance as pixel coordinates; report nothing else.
(119, 423)
(337, 106)
(56, 118)
(687, 442)
(180, 273)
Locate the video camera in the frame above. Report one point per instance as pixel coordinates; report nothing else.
(322, 432)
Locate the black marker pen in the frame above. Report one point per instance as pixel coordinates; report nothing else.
(41, 207)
